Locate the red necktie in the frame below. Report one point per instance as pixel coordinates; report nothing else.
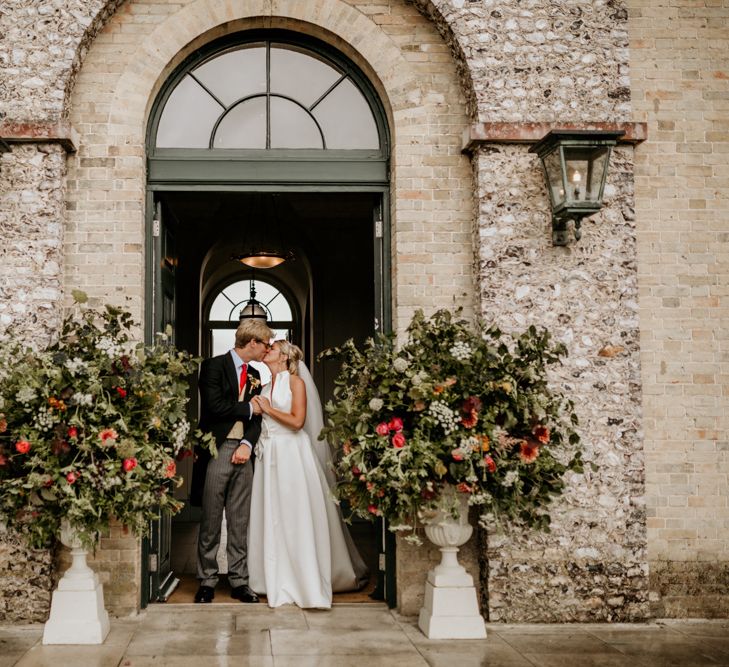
(243, 377)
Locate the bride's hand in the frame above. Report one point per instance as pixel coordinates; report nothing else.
(263, 403)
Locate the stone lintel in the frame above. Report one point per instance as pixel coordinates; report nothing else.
(58, 132)
(478, 134)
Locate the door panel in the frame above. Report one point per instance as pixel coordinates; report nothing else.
(161, 578)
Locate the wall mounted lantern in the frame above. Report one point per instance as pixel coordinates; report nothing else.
(575, 165)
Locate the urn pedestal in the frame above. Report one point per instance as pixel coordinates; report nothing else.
(77, 608)
(450, 610)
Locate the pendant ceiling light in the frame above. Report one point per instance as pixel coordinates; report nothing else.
(259, 251)
(253, 310)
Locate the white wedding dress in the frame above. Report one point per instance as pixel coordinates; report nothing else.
(298, 548)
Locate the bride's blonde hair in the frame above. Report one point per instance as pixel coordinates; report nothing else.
(293, 353)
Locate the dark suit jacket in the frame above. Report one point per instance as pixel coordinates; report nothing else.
(220, 409)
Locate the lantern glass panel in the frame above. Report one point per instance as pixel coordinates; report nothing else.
(585, 167)
(553, 169)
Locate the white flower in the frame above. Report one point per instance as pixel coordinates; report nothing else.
(82, 399)
(400, 364)
(75, 365)
(419, 378)
(179, 434)
(376, 404)
(444, 416)
(509, 478)
(461, 351)
(25, 395)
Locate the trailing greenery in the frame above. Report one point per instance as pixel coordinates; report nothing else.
(91, 427)
(458, 404)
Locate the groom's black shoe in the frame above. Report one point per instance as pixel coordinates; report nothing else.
(205, 594)
(244, 594)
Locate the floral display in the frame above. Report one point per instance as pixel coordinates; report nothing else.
(458, 404)
(90, 427)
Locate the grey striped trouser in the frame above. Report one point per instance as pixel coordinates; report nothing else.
(227, 485)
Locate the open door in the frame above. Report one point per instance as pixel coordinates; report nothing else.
(156, 552)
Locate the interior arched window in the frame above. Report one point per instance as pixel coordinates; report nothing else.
(223, 315)
(267, 95)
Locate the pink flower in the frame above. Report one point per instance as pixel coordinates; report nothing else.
(464, 488)
(170, 469)
(72, 432)
(395, 424)
(129, 464)
(372, 509)
(457, 454)
(398, 440)
(382, 429)
(22, 446)
(528, 451)
(347, 447)
(490, 464)
(71, 477)
(108, 434)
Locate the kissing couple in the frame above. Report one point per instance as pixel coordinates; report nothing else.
(273, 477)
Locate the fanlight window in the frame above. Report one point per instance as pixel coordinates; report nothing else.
(267, 95)
(223, 317)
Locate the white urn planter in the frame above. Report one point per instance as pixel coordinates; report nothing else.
(450, 610)
(77, 608)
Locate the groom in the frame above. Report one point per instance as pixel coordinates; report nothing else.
(227, 384)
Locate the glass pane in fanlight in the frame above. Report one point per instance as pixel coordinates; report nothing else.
(223, 340)
(292, 127)
(279, 308)
(188, 117)
(244, 126)
(577, 162)
(300, 76)
(346, 118)
(554, 176)
(235, 74)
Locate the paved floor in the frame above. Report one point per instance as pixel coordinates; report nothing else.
(238, 635)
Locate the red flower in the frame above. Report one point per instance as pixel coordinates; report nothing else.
(471, 404)
(3, 425)
(72, 432)
(22, 446)
(529, 450)
(427, 494)
(48, 482)
(541, 433)
(170, 469)
(464, 488)
(121, 391)
(382, 429)
(71, 477)
(398, 440)
(356, 471)
(457, 454)
(59, 447)
(372, 509)
(183, 454)
(470, 419)
(129, 464)
(395, 424)
(490, 464)
(3, 460)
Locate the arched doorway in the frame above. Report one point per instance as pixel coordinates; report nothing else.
(278, 136)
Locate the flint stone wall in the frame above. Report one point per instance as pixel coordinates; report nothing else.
(592, 566)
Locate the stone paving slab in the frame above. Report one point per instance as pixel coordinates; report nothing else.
(371, 635)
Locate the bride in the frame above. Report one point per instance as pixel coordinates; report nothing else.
(299, 550)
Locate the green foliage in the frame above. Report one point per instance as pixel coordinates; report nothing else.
(458, 404)
(90, 427)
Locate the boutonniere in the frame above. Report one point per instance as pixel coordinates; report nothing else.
(254, 383)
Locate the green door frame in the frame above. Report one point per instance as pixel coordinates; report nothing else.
(279, 170)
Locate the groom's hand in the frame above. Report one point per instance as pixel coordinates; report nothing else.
(241, 455)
